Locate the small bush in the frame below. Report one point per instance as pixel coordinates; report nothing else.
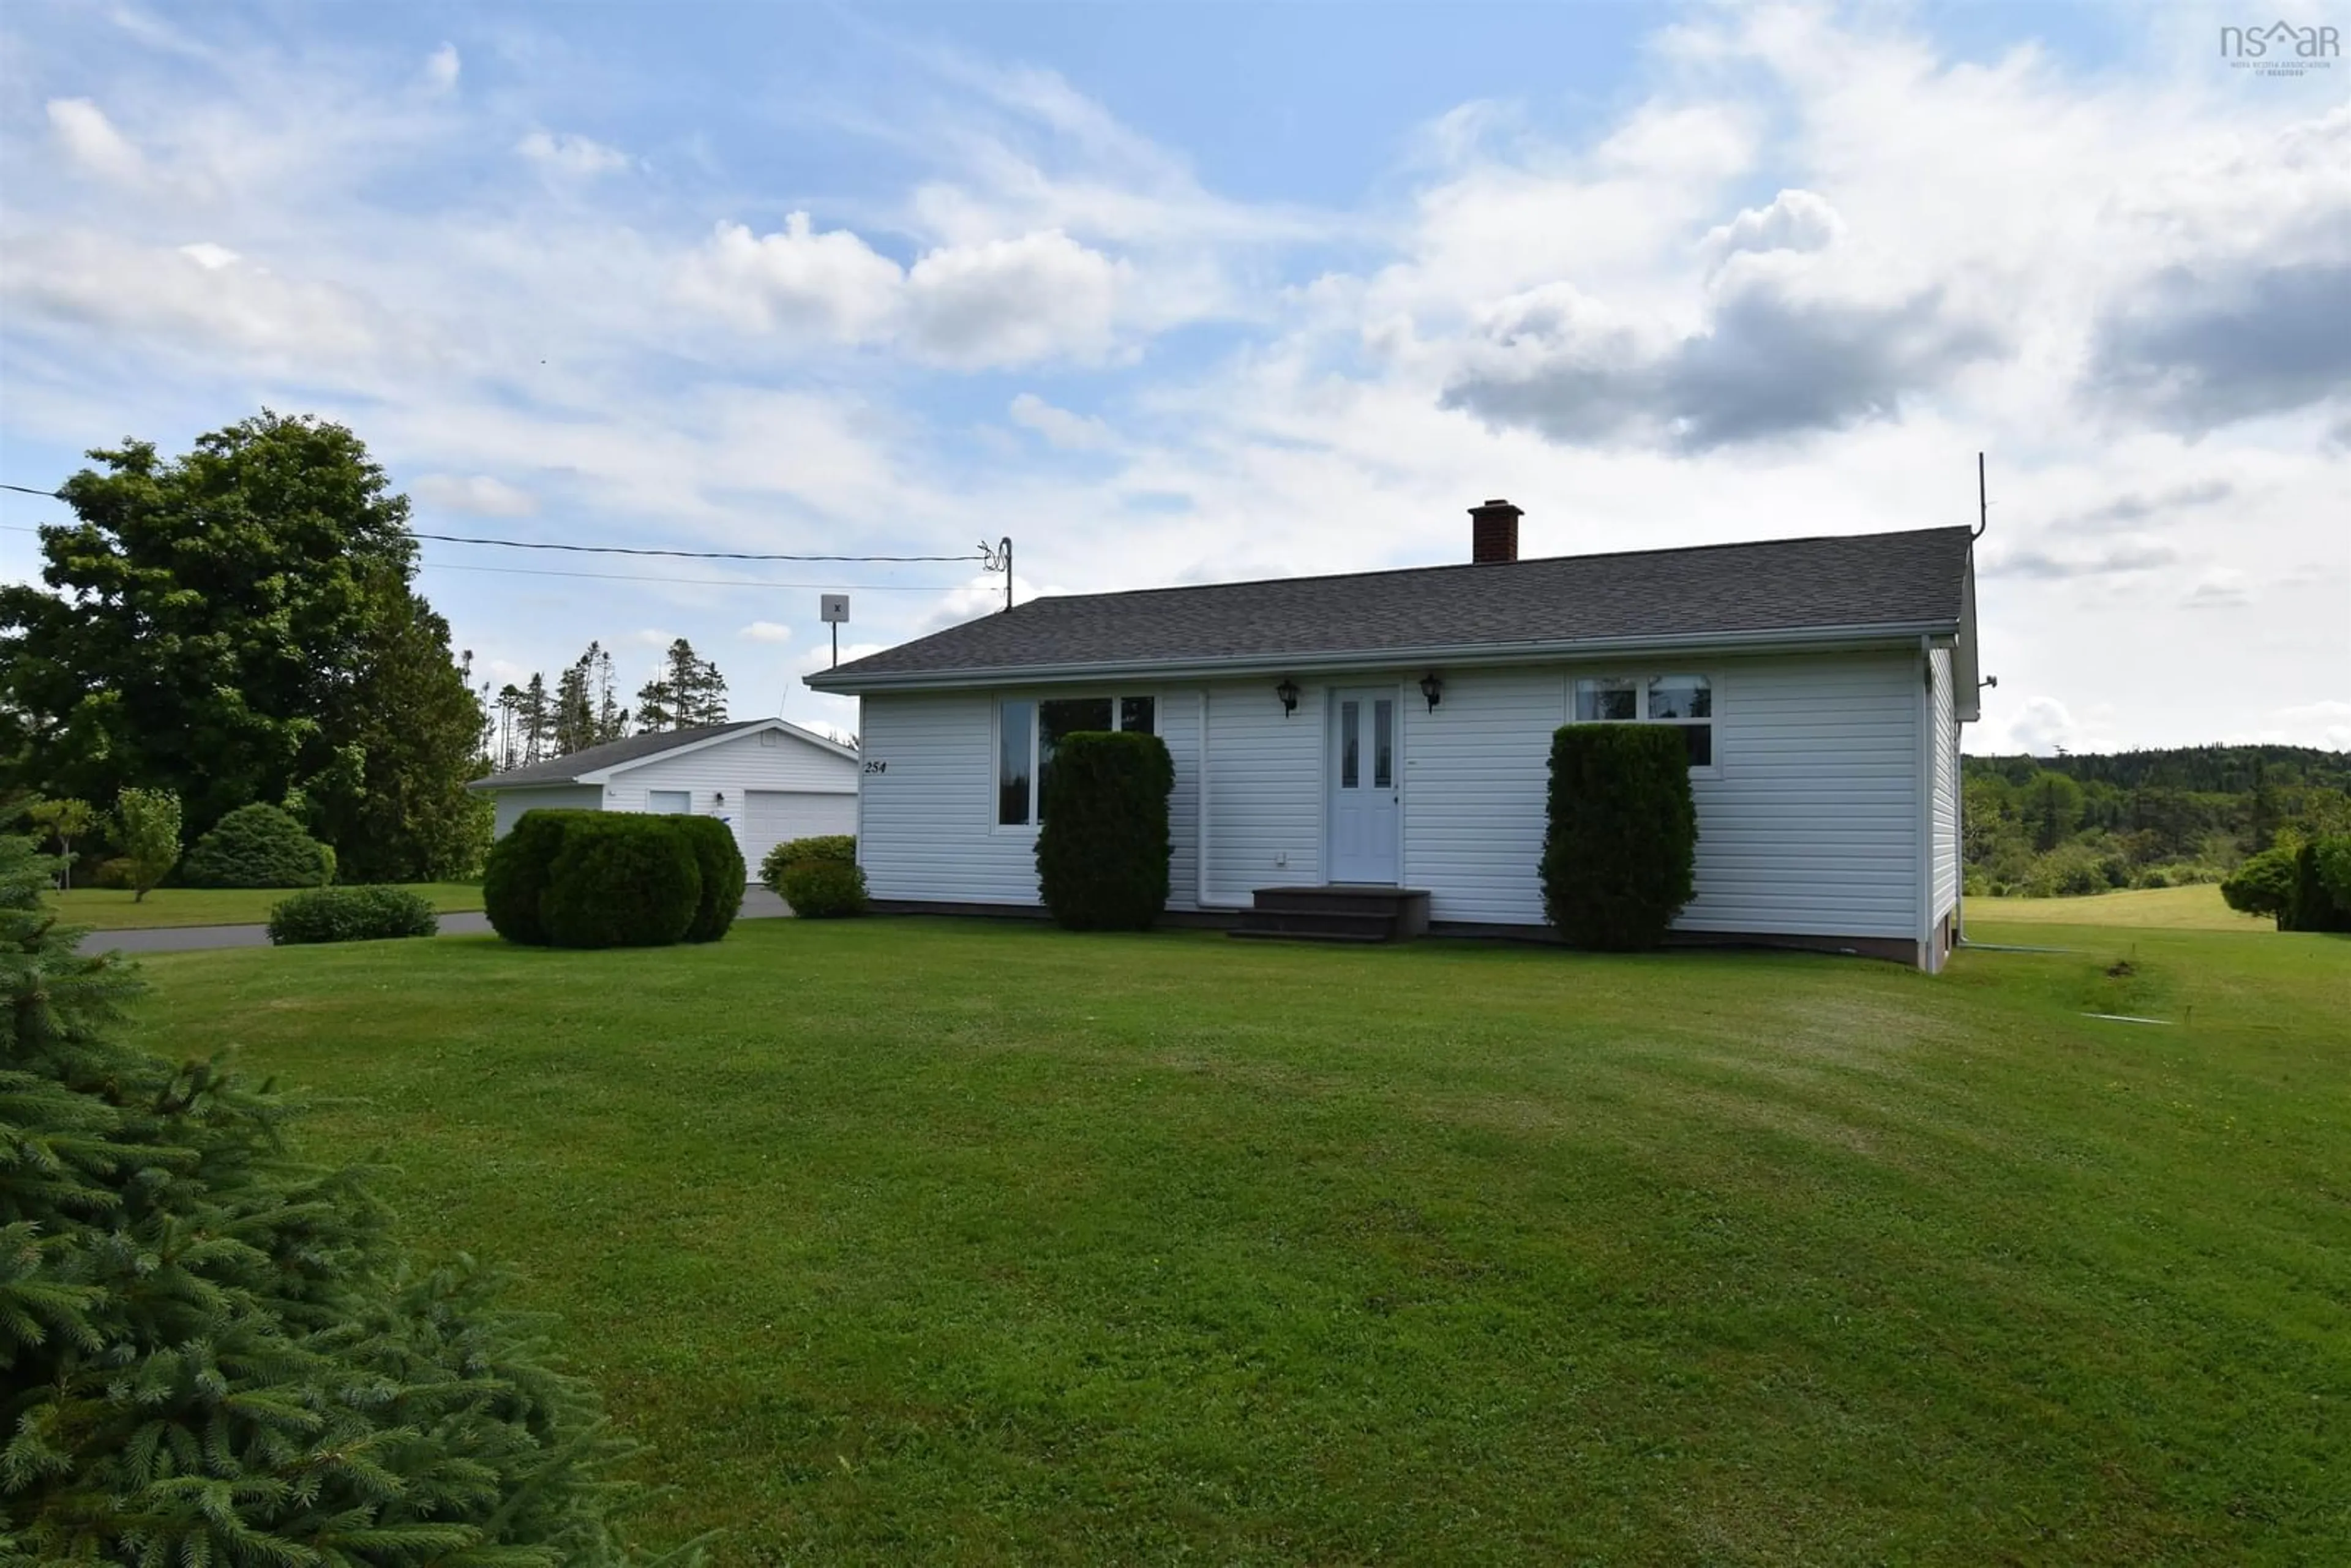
(1620, 855)
(1101, 853)
(514, 877)
(720, 860)
(836, 847)
(2317, 866)
(115, 873)
(258, 846)
(350, 915)
(620, 879)
(824, 889)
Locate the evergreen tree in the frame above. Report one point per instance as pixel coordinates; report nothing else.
(656, 707)
(575, 711)
(537, 721)
(212, 1353)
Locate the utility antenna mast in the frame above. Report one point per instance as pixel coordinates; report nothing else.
(1000, 560)
(1983, 506)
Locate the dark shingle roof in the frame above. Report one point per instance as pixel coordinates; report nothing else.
(611, 754)
(1901, 579)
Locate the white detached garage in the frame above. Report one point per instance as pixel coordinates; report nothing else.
(768, 779)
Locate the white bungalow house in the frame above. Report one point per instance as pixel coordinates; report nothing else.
(1336, 737)
(769, 780)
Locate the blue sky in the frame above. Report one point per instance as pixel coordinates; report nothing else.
(1218, 291)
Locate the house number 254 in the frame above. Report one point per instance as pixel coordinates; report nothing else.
(877, 768)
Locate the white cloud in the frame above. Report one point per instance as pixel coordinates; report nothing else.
(573, 157)
(766, 631)
(2329, 722)
(92, 142)
(1059, 426)
(480, 495)
(798, 281)
(999, 302)
(2041, 726)
(206, 255)
(442, 67)
(649, 637)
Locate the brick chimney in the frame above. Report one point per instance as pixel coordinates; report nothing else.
(1493, 533)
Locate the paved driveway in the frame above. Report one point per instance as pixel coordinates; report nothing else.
(759, 904)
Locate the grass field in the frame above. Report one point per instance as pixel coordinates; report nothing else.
(112, 909)
(2197, 908)
(976, 1242)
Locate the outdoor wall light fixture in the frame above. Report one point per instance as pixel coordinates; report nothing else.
(1432, 688)
(1288, 692)
(719, 798)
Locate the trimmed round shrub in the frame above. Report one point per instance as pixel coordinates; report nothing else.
(1620, 855)
(1102, 851)
(720, 860)
(840, 848)
(621, 879)
(824, 889)
(350, 915)
(258, 846)
(516, 874)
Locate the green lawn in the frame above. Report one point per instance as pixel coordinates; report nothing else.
(112, 909)
(2196, 908)
(976, 1242)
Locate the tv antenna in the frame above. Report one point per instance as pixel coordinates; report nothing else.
(1000, 560)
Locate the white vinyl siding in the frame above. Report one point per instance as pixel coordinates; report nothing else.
(512, 803)
(732, 768)
(1813, 827)
(1264, 777)
(1477, 774)
(1809, 821)
(1946, 793)
(927, 828)
(770, 816)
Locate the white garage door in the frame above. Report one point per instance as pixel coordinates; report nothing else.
(771, 816)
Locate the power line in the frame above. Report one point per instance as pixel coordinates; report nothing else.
(703, 581)
(28, 490)
(699, 556)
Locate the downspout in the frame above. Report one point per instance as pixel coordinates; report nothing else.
(1200, 804)
(1958, 834)
(1924, 775)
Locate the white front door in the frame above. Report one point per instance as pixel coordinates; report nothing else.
(1364, 785)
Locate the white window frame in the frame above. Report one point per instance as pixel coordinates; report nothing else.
(1641, 679)
(1037, 701)
(653, 795)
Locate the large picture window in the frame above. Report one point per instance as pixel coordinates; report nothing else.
(1028, 731)
(1686, 702)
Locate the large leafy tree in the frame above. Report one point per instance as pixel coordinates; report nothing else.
(238, 625)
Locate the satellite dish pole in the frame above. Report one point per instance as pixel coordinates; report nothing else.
(834, 608)
(1983, 506)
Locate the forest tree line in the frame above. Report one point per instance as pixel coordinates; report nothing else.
(2044, 827)
(537, 720)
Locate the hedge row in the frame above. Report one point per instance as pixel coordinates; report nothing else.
(612, 879)
(351, 914)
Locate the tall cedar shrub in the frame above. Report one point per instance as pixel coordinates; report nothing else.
(1102, 852)
(350, 915)
(211, 1352)
(777, 861)
(621, 879)
(515, 874)
(257, 846)
(720, 860)
(1621, 849)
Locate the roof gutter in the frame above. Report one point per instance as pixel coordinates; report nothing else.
(1904, 635)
